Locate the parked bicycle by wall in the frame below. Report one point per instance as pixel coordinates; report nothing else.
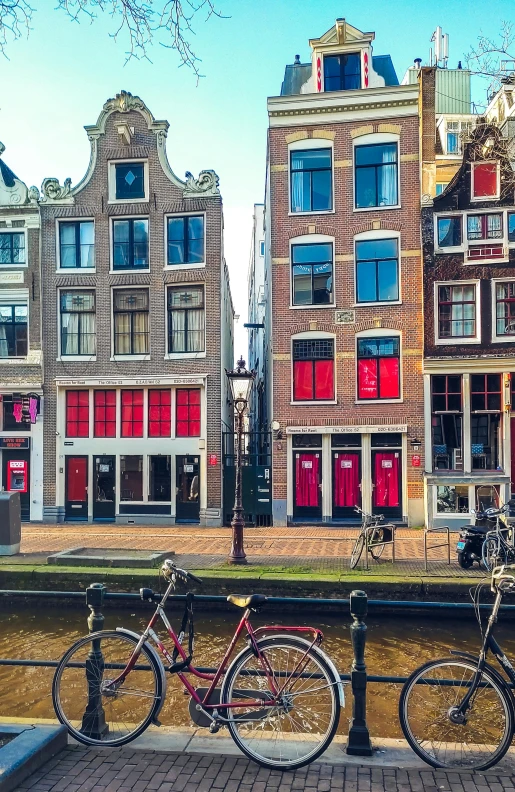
(374, 535)
(280, 697)
(459, 712)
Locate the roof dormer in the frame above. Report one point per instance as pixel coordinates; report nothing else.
(342, 59)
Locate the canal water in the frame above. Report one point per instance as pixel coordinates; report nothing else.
(396, 645)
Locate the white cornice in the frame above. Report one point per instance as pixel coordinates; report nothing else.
(383, 101)
(459, 365)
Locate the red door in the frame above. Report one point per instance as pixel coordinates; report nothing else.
(308, 491)
(76, 488)
(387, 473)
(346, 483)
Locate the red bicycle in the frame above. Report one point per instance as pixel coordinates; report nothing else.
(280, 697)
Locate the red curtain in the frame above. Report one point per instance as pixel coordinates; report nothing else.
(367, 379)
(303, 380)
(386, 478)
(389, 378)
(485, 180)
(346, 480)
(306, 479)
(324, 379)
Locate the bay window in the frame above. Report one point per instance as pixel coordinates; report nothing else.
(78, 323)
(456, 311)
(377, 270)
(447, 421)
(452, 499)
(379, 368)
(311, 180)
(376, 175)
(313, 369)
(312, 274)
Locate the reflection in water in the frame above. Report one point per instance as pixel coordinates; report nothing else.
(395, 646)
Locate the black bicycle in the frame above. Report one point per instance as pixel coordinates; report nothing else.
(459, 712)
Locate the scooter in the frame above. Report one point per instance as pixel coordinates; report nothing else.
(472, 537)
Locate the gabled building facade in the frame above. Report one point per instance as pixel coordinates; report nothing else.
(137, 331)
(342, 220)
(469, 284)
(21, 359)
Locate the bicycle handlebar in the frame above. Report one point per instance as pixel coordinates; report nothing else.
(169, 569)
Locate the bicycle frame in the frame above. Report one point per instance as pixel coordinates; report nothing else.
(244, 625)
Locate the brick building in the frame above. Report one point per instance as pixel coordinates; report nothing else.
(138, 328)
(468, 235)
(342, 239)
(21, 374)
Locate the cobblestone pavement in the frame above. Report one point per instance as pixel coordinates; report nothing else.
(124, 770)
(302, 541)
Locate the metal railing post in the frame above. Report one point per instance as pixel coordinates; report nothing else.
(93, 720)
(358, 743)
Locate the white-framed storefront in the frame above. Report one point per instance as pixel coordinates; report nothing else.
(410, 510)
(468, 489)
(30, 451)
(173, 448)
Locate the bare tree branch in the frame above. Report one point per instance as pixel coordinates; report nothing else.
(170, 24)
(486, 58)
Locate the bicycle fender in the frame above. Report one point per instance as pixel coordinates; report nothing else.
(491, 670)
(324, 656)
(153, 651)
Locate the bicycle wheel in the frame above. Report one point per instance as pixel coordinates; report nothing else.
(376, 551)
(94, 711)
(303, 721)
(357, 550)
(426, 706)
(491, 552)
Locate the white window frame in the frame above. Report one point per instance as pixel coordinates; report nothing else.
(186, 266)
(11, 297)
(312, 239)
(482, 197)
(372, 139)
(183, 355)
(111, 178)
(16, 230)
(313, 335)
(71, 358)
(74, 270)
(112, 219)
(379, 332)
(304, 145)
(499, 339)
(451, 515)
(121, 358)
(454, 248)
(467, 244)
(457, 340)
(359, 51)
(371, 235)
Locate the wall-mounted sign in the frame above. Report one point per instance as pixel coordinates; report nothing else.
(188, 468)
(11, 277)
(92, 381)
(415, 460)
(376, 429)
(213, 459)
(15, 442)
(386, 463)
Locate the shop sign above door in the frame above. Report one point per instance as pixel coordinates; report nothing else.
(377, 429)
(15, 442)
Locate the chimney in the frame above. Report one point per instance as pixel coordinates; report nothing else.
(297, 60)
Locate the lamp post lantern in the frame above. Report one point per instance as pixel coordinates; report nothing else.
(241, 382)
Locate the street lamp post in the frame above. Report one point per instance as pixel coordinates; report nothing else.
(241, 382)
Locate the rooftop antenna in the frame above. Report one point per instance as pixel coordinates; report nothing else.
(441, 48)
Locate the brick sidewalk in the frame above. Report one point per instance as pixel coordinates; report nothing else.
(79, 769)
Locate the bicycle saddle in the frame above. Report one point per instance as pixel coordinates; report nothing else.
(250, 601)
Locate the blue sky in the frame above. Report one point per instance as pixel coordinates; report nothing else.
(57, 80)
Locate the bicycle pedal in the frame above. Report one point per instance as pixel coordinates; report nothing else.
(156, 722)
(214, 728)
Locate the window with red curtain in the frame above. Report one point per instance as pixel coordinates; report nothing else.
(313, 369)
(484, 179)
(132, 413)
(188, 412)
(105, 413)
(379, 368)
(77, 413)
(159, 413)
